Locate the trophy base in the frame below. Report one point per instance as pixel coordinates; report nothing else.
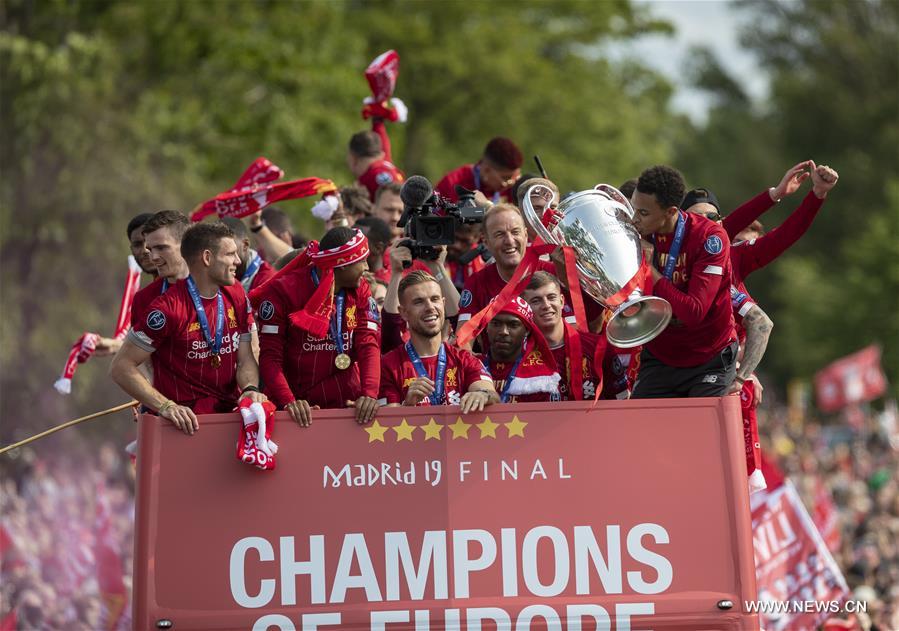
(638, 321)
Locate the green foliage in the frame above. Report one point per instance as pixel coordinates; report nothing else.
(834, 99)
(114, 108)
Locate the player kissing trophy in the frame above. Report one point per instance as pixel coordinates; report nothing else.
(597, 225)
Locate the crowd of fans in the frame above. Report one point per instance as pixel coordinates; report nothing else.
(858, 467)
(66, 537)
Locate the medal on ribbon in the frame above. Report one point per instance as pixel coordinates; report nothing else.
(213, 343)
(436, 397)
(342, 361)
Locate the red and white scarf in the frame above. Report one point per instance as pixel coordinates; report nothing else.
(537, 372)
(251, 200)
(258, 188)
(85, 345)
(315, 316)
(255, 445)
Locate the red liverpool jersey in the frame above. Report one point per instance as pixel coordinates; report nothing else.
(295, 364)
(699, 293)
(486, 284)
(397, 374)
(613, 376)
(749, 256)
(460, 273)
(183, 366)
(143, 298)
(263, 274)
(378, 174)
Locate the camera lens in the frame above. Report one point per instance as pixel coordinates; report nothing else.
(433, 230)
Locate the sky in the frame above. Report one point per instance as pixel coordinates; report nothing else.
(712, 23)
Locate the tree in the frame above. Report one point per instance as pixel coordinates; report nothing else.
(834, 99)
(115, 108)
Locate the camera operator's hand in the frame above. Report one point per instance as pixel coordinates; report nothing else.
(481, 200)
(398, 254)
(437, 267)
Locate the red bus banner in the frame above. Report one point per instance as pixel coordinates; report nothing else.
(626, 515)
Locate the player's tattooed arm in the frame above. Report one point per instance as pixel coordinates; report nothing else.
(758, 330)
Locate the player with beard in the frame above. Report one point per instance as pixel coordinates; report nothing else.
(162, 239)
(602, 364)
(198, 336)
(253, 271)
(426, 370)
(389, 206)
(320, 330)
(695, 356)
(394, 332)
(518, 358)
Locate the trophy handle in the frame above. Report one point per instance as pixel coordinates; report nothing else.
(616, 195)
(534, 220)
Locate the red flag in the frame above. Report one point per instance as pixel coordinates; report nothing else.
(381, 74)
(853, 379)
(132, 284)
(774, 477)
(825, 516)
(9, 622)
(251, 200)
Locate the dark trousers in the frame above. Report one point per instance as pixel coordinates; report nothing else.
(661, 381)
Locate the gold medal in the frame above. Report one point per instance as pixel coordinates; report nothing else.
(216, 361)
(342, 361)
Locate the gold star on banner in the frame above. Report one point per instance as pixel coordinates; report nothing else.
(515, 427)
(432, 429)
(460, 429)
(488, 428)
(376, 432)
(404, 431)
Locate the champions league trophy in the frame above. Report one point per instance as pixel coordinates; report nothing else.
(597, 225)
